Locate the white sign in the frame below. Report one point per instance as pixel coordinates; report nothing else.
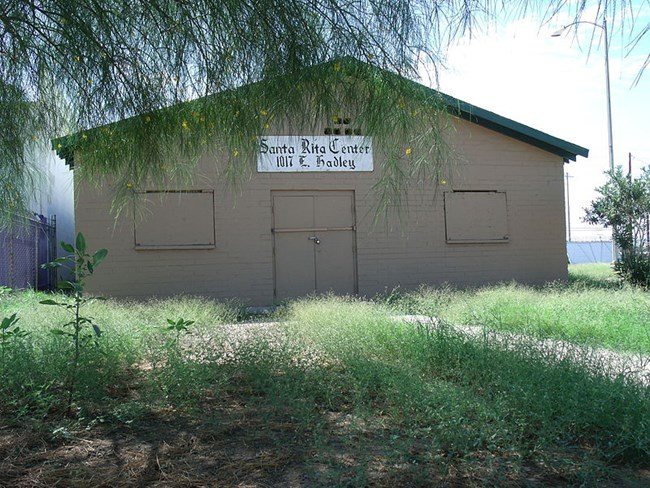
(290, 154)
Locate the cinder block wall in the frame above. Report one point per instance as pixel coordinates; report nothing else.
(406, 253)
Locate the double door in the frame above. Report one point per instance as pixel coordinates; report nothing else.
(314, 243)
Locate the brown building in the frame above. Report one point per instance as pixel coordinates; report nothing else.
(295, 228)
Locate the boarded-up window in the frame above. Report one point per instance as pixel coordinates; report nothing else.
(175, 220)
(476, 216)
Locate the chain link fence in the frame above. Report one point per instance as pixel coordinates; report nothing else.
(23, 248)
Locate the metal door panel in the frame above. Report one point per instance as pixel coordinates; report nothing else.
(333, 209)
(335, 264)
(295, 273)
(293, 211)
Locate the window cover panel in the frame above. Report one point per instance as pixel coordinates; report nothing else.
(175, 220)
(476, 216)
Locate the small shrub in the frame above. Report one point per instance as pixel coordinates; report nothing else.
(624, 205)
(83, 265)
(9, 334)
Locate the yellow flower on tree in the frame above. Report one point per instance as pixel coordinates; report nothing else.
(408, 151)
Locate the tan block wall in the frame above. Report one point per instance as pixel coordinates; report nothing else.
(407, 254)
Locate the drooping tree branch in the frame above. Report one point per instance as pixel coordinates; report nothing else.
(68, 66)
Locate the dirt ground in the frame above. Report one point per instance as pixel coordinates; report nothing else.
(241, 446)
(237, 441)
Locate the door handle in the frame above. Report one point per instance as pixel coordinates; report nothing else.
(315, 239)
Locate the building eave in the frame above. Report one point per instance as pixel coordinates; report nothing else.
(512, 128)
(65, 146)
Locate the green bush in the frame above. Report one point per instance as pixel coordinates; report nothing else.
(624, 205)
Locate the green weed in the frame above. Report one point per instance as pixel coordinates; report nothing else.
(593, 309)
(350, 381)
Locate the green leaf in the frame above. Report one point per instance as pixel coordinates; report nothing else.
(81, 243)
(8, 321)
(73, 285)
(99, 256)
(97, 330)
(49, 302)
(60, 332)
(67, 247)
(89, 265)
(50, 265)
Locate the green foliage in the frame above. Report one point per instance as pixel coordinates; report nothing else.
(593, 309)
(9, 333)
(20, 124)
(71, 67)
(83, 265)
(594, 275)
(132, 347)
(178, 326)
(348, 380)
(465, 397)
(624, 205)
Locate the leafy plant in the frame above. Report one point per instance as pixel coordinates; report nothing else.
(177, 327)
(9, 332)
(83, 265)
(624, 205)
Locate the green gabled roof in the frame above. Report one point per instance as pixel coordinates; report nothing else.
(513, 129)
(498, 123)
(65, 146)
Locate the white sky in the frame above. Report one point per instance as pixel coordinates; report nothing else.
(555, 85)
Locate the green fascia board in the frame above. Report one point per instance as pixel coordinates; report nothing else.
(511, 128)
(65, 146)
(487, 119)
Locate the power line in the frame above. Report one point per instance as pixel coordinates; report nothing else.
(643, 161)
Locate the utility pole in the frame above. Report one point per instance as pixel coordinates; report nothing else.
(608, 95)
(629, 166)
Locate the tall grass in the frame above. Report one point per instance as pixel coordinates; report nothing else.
(468, 399)
(355, 381)
(132, 338)
(593, 309)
